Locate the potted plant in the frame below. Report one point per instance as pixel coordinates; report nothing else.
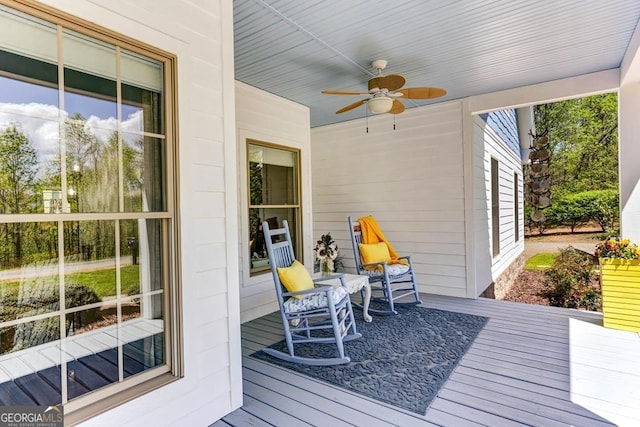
(619, 261)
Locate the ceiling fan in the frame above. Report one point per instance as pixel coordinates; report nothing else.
(384, 92)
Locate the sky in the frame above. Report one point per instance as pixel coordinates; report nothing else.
(34, 109)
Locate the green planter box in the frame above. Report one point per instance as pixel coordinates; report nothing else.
(620, 282)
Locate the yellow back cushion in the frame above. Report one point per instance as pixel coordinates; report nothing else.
(374, 252)
(295, 278)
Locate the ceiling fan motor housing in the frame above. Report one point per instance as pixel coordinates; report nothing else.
(380, 104)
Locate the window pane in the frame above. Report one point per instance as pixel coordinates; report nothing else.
(92, 169)
(90, 268)
(142, 92)
(27, 99)
(37, 40)
(273, 175)
(90, 96)
(143, 166)
(147, 351)
(130, 257)
(258, 250)
(30, 333)
(29, 281)
(27, 163)
(141, 264)
(142, 295)
(151, 254)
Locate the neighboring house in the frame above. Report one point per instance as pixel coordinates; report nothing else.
(195, 211)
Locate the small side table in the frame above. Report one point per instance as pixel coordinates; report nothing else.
(352, 283)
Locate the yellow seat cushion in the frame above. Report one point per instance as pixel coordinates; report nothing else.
(295, 278)
(374, 252)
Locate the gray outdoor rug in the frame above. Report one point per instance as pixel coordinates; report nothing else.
(403, 360)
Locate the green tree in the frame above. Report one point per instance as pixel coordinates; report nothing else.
(18, 169)
(583, 139)
(583, 142)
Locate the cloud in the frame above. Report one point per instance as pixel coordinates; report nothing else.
(40, 123)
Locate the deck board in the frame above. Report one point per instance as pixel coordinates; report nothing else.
(530, 365)
(345, 404)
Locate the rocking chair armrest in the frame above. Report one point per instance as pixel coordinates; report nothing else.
(329, 277)
(385, 264)
(375, 264)
(308, 291)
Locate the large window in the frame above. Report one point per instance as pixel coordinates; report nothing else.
(86, 217)
(274, 187)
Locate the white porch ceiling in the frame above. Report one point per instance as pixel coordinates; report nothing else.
(296, 49)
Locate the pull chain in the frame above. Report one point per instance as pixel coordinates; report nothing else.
(366, 119)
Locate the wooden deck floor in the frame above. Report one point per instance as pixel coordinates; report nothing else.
(531, 365)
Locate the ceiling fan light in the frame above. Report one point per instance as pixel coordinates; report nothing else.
(380, 104)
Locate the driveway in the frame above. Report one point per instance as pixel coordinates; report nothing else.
(539, 244)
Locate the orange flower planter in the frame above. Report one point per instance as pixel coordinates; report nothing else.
(620, 283)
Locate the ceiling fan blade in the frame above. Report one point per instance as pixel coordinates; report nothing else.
(392, 82)
(352, 106)
(422, 92)
(343, 92)
(397, 107)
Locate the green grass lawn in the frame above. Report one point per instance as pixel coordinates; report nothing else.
(103, 282)
(540, 261)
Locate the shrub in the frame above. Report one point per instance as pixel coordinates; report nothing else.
(578, 209)
(80, 295)
(605, 208)
(569, 281)
(572, 210)
(77, 295)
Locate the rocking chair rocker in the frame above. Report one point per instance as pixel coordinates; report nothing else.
(309, 314)
(392, 279)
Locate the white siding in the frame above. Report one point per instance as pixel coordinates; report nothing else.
(410, 179)
(200, 34)
(487, 145)
(265, 117)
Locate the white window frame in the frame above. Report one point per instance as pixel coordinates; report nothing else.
(89, 405)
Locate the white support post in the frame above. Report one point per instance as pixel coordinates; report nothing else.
(629, 157)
